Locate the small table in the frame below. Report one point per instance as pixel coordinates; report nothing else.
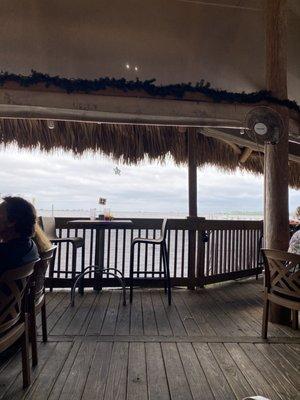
(99, 226)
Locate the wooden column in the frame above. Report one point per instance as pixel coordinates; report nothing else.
(276, 226)
(192, 177)
(192, 167)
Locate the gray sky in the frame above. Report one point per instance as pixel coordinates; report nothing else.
(77, 183)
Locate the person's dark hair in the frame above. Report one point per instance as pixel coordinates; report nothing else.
(22, 213)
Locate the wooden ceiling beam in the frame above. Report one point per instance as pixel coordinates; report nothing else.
(244, 141)
(245, 155)
(134, 107)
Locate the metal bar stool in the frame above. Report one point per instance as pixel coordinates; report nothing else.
(48, 226)
(161, 241)
(99, 270)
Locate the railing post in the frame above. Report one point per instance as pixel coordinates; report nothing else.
(200, 255)
(99, 257)
(195, 270)
(191, 259)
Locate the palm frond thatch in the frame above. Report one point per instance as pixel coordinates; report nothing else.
(129, 144)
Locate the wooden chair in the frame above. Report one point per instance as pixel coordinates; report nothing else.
(37, 301)
(13, 313)
(282, 284)
(48, 226)
(161, 241)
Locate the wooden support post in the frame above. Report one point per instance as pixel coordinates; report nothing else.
(276, 221)
(192, 174)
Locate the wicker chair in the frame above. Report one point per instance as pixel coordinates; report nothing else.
(13, 313)
(282, 284)
(37, 301)
(161, 241)
(48, 226)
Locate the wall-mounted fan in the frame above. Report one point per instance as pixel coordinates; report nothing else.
(264, 125)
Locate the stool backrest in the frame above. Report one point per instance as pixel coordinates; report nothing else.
(282, 274)
(40, 269)
(48, 226)
(164, 229)
(13, 286)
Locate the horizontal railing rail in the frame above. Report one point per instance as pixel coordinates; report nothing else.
(200, 251)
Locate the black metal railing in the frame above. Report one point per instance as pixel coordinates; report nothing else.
(200, 251)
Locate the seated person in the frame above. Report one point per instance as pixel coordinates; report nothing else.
(17, 224)
(295, 223)
(294, 246)
(43, 244)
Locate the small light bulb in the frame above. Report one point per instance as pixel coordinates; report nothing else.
(136, 68)
(50, 124)
(127, 66)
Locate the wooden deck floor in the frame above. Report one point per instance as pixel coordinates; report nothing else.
(205, 346)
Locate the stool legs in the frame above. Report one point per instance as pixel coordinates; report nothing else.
(165, 259)
(44, 322)
(74, 254)
(166, 270)
(131, 273)
(81, 285)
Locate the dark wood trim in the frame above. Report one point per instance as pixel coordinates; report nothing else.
(170, 339)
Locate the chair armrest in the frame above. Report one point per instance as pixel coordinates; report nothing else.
(74, 241)
(146, 241)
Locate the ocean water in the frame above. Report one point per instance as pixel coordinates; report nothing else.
(232, 215)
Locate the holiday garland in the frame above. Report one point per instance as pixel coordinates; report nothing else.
(178, 90)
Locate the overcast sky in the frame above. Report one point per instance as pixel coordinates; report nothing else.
(77, 183)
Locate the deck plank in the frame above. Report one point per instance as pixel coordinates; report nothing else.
(149, 321)
(194, 372)
(136, 315)
(175, 321)
(187, 318)
(261, 386)
(281, 365)
(123, 320)
(283, 387)
(252, 303)
(52, 301)
(110, 320)
(178, 384)
(98, 373)
(98, 314)
(81, 318)
(137, 379)
(157, 379)
(244, 323)
(15, 390)
(116, 386)
(234, 376)
(64, 372)
(290, 353)
(217, 381)
(50, 372)
(196, 302)
(67, 316)
(162, 321)
(76, 379)
(204, 346)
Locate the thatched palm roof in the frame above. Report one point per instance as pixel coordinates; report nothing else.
(130, 143)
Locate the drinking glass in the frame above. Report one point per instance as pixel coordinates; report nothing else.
(106, 213)
(92, 214)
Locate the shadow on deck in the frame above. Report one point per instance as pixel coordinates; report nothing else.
(205, 346)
